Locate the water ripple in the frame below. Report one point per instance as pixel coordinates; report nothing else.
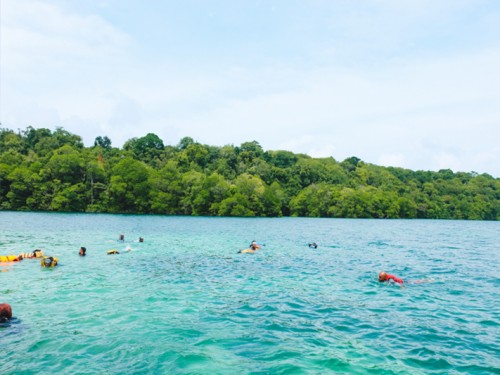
(175, 305)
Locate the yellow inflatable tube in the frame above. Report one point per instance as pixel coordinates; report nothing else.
(9, 258)
(247, 251)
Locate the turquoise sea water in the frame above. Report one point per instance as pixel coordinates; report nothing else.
(184, 301)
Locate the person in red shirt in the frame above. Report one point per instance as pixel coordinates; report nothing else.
(384, 276)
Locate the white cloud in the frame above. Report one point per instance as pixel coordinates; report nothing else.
(445, 160)
(37, 34)
(420, 111)
(392, 160)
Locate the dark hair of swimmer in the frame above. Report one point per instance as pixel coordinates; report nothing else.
(82, 251)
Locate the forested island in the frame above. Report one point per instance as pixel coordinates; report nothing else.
(44, 170)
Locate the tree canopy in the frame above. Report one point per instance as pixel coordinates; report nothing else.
(49, 170)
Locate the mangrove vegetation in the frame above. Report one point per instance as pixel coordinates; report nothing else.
(44, 170)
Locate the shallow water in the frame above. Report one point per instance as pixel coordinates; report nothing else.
(184, 301)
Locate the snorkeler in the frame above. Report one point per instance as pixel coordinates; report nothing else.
(384, 276)
(254, 245)
(252, 248)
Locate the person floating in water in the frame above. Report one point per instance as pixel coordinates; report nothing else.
(254, 245)
(34, 254)
(313, 245)
(384, 276)
(82, 251)
(141, 239)
(122, 237)
(5, 312)
(252, 248)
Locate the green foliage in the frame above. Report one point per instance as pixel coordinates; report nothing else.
(52, 171)
(283, 159)
(66, 165)
(214, 190)
(129, 187)
(11, 141)
(103, 142)
(147, 148)
(166, 190)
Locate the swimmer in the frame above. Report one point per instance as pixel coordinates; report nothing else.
(121, 238)
(254, 245)
(141, 239)
(383, 276)
(313, 245)
(82, 251)
(38, 253)
(5, 312)
(252, 248)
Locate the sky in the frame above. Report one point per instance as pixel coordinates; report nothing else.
(412, 84)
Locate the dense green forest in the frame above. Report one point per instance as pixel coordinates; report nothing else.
(44, 170)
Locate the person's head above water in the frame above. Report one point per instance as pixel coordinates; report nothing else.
(382, 276)
(254, 245)
(82, 251)
(5, 312)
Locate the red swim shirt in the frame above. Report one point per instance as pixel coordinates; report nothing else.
(396, 279)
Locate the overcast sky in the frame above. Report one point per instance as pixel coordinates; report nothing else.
(414, 84)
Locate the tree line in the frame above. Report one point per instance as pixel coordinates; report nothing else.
(44, 170)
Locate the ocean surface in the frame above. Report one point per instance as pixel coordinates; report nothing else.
(185, 302)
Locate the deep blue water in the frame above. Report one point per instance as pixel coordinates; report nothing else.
(184, 301)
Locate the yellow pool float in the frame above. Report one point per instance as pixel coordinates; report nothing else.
(9, 258)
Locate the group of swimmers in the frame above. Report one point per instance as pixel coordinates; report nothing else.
(121, 238)
(17, 258)
(6, 310)
(83, 250)
(382, 276)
